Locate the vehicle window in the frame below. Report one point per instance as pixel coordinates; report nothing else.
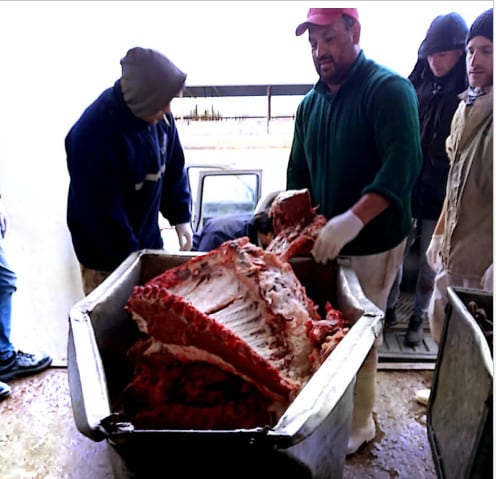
(193, 177)
(227, 192)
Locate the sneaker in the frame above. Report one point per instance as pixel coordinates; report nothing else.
(23, 364)
(422, 396)
(390, 319)
(4, 390)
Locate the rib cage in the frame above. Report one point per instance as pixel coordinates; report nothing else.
(244, 297)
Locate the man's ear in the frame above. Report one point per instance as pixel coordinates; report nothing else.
(355, 31)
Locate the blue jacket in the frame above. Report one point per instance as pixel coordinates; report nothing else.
(223, 228)
(123, 172)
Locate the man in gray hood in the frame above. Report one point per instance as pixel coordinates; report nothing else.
(126, 166)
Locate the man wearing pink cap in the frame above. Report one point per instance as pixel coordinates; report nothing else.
(356, 147)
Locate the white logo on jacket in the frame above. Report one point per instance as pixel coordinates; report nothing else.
(151, 177)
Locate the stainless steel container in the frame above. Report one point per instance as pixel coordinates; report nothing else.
(309, 440)
(460, 410)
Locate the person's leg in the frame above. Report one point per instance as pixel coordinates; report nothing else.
(13, 363)
(425, 278)
(7, 288)
(376, 274)
(437, 311)
(439, 300)
(394, 294)
(423, 287)
(437, 304)
(362, 423)
(92, 278)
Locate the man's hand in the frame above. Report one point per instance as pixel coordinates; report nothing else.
(433, 253)
(185, 236)
(337, 232)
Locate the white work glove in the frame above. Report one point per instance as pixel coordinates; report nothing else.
(487, 279)
(433, 253)
(185, 236)
(334, 235)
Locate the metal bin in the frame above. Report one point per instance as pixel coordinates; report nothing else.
(309, 440)
(460, 409)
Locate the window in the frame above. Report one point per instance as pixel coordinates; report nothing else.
(222, 192)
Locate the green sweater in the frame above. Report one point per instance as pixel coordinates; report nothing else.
(365, 138)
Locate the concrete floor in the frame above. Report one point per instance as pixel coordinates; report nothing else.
(39, 439)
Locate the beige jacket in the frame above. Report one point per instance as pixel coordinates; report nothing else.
(467, 248)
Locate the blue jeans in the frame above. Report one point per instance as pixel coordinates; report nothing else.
(422, 231)
(8, 280)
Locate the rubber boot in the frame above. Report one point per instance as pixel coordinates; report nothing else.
(422, 396)
(362, 424)
(415, 331)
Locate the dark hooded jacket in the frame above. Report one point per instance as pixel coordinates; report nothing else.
(124, 172)
(438, 101)
(218, 229)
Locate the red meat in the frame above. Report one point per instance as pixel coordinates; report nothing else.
(232, 336)
(295, 223)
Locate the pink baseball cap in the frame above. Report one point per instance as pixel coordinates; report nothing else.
(325, 16)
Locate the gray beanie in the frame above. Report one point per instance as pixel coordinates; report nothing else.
(482, 26)
(149, 81)
(446, 32)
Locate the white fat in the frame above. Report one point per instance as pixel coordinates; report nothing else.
(213, 292)
(141, 323)
(286, 301)
(238, 300)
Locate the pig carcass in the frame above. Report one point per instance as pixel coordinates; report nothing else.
(229, 337)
